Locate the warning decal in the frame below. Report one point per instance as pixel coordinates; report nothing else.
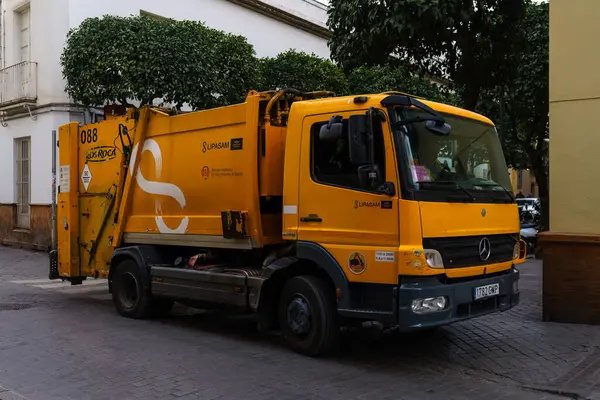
(86, 177)
(65, 179)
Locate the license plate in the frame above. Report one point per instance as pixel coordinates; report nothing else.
(482, 292)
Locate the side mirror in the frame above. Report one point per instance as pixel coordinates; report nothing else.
(388, 189)
(357, 143)
(331, 132)
(441, 129)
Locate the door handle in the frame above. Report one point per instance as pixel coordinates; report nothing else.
(311, 218)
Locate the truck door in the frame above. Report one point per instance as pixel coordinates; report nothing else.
(99, 165)
(358, 226)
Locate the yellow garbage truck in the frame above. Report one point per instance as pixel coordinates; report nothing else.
(311, 211)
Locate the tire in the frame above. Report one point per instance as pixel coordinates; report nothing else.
(130, 297)
(308, 317)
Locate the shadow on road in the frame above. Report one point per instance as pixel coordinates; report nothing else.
(383, 350)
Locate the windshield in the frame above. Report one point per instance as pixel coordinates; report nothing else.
(466, 165)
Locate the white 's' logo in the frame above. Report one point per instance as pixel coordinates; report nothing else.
(158, 188)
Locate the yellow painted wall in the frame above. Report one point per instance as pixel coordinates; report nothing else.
(527, 181)
(574, 110)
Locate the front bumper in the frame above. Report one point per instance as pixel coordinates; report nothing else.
(460, 299)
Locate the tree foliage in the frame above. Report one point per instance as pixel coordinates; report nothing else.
(490, 105)
(119, 59)
(379, 79)
(465, 41)
(520, 105)
(309, 72)
(525, 99)
(145, 60)
(302, 71)
(494, 51)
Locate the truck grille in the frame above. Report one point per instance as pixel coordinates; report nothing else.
(463, 251)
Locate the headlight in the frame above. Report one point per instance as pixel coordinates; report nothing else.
(434, 258)
(516, 250)
(428, 305)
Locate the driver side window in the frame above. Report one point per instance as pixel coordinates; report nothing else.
(331, 163)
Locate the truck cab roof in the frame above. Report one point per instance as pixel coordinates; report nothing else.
(333, 104)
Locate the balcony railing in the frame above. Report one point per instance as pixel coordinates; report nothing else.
(18, 84)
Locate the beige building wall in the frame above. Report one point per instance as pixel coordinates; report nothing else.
(571, 249)
(574, 116)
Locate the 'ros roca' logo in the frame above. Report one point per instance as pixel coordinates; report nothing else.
(158, 188)
(101, 154)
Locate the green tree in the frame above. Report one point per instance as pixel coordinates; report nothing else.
(465, 41)
(525, 100)
(379, 79)
(117, 59)
(302, 71)
(520, 106)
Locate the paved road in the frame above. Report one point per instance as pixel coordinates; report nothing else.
(64, 342)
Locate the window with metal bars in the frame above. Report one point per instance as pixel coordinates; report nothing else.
(23, 179)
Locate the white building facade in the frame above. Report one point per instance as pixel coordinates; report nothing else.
(32, 98)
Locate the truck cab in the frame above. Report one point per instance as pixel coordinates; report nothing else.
(410, 200)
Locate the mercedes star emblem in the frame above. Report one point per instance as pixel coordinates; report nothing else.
(485, 249)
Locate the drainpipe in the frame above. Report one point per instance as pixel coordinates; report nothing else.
(54, 245)
(53, 270)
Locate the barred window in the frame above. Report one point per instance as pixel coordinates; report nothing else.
(23, 179)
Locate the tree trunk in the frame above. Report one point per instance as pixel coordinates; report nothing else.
(470, 96)
(544, 189)
(541, 178)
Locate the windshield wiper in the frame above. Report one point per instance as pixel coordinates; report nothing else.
(456, 184)
(509, 194)
(434, 121)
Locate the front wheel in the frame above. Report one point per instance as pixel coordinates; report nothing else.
(308, 316)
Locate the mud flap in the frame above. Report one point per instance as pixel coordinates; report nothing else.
(53, 273)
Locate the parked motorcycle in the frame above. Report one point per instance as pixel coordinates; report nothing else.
(530, 220)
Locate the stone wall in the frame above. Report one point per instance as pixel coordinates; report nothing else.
(37, 237)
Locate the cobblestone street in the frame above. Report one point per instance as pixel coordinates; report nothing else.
(63, 342)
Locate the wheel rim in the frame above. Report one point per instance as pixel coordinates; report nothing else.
(128, 295)
(299, 316)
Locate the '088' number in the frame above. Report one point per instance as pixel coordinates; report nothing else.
(89, 136)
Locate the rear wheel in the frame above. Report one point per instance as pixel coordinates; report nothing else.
(308, 316)
(130, 297)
